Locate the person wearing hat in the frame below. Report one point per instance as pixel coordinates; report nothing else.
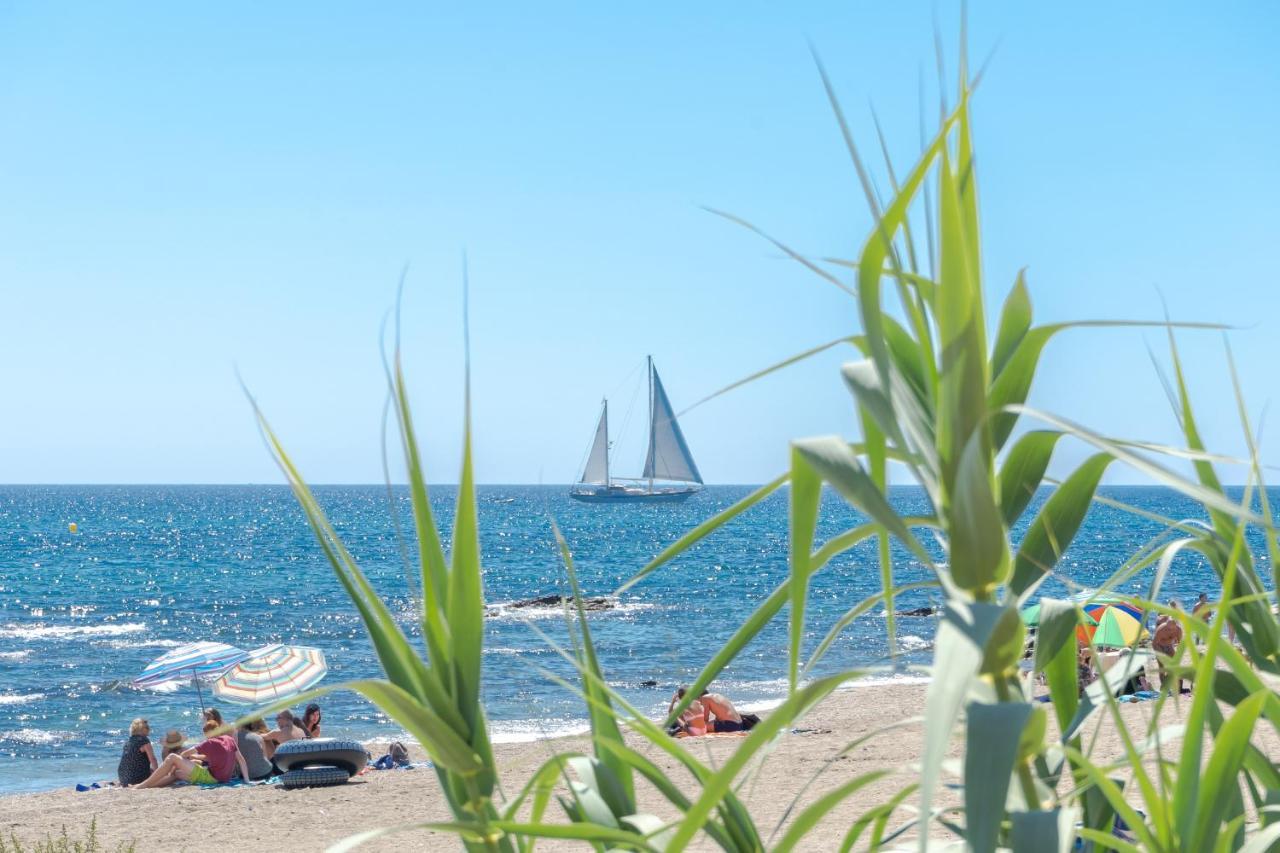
(173, 742)
(208, 763)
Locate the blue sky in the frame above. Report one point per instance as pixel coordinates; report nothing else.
(186, 188)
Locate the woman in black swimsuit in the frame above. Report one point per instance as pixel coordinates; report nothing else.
(137, 759)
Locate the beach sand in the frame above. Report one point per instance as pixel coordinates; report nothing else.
(271, 818)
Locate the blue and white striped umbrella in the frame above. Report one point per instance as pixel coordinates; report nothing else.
(194, 660)
(271, 672)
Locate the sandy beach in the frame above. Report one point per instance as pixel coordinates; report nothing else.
(270, 818)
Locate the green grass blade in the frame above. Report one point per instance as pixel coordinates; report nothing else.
(835, 462)
(992, 735)
(760, 374)
(979, 549)
(1220, 783)
(809, 818)
(697, 534)
(716, 786)
(1056, 525)
(806, 494)
(1023, 471)
(604, 723)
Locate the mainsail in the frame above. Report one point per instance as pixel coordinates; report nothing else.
(597, 469)
(669, 457)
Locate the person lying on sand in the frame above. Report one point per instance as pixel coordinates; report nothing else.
(692, 722)
(207, 763)
(726, 717)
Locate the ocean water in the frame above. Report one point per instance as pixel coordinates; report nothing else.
(152, 567)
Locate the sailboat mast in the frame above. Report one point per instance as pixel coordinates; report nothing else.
(652, 431)
(606, 442)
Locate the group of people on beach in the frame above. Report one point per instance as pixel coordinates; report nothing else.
(710, 713)
(218, 758)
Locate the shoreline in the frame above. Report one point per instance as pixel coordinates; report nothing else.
(252, 818)
(555, 730)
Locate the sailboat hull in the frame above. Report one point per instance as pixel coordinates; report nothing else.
(616, 494)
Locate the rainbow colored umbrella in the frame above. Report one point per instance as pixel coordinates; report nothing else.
(271, 672)
(1113, 625)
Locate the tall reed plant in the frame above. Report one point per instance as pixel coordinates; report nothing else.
(940, 390)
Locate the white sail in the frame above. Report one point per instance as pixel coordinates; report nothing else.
(669, 457)
(597, 469)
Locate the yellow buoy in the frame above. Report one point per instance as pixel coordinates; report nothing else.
(72, 527)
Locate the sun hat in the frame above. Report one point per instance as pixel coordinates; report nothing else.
(174, 739)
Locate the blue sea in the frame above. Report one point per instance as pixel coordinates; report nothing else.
(152, 567)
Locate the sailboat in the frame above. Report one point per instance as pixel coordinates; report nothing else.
(670, 473)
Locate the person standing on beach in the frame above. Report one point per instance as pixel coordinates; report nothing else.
(1165, 643)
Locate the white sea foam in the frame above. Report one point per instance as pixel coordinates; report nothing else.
(505, 611)
(35, 737)
(912, 643)
(67, 632)
(167, 686)
(18, 655)
(523, 731)
(138, 644)
(19, 698)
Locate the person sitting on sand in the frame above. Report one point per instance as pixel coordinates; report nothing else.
(692, 722)
(138, 759)
(725, 717)
(173, 742)
(286, 729)
(1165, 643)
(311, 720)
(208, 763)
(250, 745)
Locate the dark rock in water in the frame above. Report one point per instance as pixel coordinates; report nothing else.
(590, 603)
(916, 611)
(648, 684)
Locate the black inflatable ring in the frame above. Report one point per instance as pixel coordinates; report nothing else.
(322, 752)
(314, 777)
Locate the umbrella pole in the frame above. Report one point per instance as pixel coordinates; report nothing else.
(199, 692)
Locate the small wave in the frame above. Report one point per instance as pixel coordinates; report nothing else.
(35, 737)
(66, 632)
(166, 686)
(524, 731)
(19, 698)
(19, 655)
(912, 643)
(138, 644)
(505, 611)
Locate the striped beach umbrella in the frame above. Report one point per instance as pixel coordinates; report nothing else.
(271, 672)
(194, 660)
(1112, 626)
